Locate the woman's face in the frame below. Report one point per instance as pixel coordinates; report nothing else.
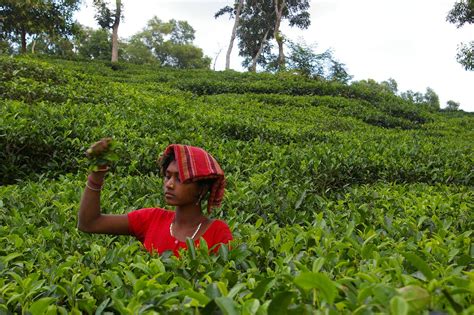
(176, 192)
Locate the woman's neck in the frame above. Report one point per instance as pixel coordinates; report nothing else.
(188, 216)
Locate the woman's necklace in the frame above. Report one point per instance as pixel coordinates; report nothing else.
(194, 234)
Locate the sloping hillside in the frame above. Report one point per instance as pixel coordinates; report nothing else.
(337, 195)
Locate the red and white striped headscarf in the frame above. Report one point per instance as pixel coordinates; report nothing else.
(195, 164)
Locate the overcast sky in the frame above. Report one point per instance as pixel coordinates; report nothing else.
(407, 40)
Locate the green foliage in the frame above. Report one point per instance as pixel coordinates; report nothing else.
(462, 13)
(341, 198)
(255, 29)
(94, 44)
(36, 17)
(465, 55)
(305, 61)
(105, 16)
(452, 105)
(169, 43)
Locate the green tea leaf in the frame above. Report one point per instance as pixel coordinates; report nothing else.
(226, 305)
(398, 306)
(40, 306)
(420, 264)
(279, 304)
(319, 281)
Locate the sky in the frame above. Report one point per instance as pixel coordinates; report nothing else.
(407, 40)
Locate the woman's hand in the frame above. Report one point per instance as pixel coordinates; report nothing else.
(99, 148)
(101, 154)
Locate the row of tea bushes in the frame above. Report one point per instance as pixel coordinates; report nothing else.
(393, 237)
(334, 150)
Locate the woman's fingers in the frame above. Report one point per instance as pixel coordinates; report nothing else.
(99, 147)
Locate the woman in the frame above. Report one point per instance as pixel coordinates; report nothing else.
(190, 174)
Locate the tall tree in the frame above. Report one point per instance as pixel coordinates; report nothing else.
(170, 43)
(110, 19)
(296, 11)
(23, 19)
(235, 13)
(254, 32)
(462, 13)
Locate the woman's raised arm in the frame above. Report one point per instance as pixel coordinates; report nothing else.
(90, 218)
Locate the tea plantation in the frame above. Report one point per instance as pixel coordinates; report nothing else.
(342, 199)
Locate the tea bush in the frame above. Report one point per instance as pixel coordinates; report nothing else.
(340, 199)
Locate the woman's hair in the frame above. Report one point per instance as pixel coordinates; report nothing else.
(164, 162)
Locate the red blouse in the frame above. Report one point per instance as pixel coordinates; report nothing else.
(151, 226)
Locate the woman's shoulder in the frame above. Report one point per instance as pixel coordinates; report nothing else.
(152, 212)
(218, 226)
(218, 232)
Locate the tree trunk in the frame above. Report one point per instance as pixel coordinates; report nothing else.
(253, 68)
(23, 41)
(115, 26)
(215, 59)
(234, 31)
(33, 44)
(277, 34)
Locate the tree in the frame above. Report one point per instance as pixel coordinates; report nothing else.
(57, 46)
(110, 19)
(431, 99)
(168, 42)
(296, 11)
(465, 55)
(391, 85)
(235, 13)
(136, 51)
(338, 72)
(452, 105)
(462, 13)
(413, 97)
(254, 32)
(94, 44)
(304, 60)
(23, 19)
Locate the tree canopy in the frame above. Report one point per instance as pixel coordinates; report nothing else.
(303, 59)
(259, 23)
(169, 43)
(110, 19)
(23, 20)
(463, 13)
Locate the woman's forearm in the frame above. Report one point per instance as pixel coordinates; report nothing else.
(89, 210)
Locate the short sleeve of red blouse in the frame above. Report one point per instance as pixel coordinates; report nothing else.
(218, 233)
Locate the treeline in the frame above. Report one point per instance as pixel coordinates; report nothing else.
(47, 27)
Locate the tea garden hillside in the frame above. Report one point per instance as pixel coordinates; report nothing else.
(343, 198)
